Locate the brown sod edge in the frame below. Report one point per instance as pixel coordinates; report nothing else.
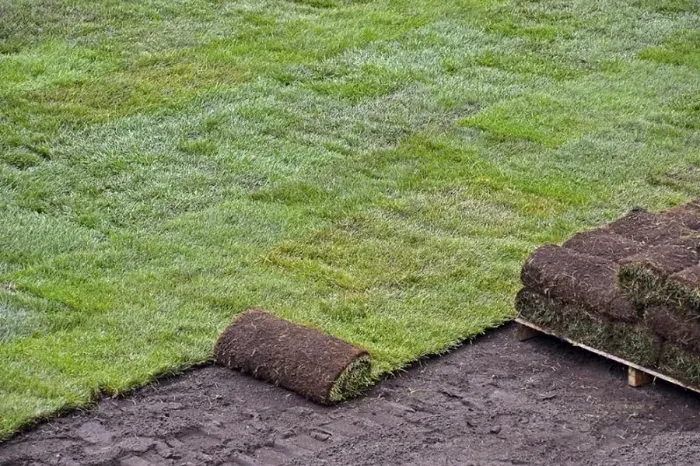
(683, 288)
(633, 342)
(652, 228)
(579, 279)
(676, 325)
(680, 364)
(666, 259)
(603, 243)
(320, 367)
(688, 215)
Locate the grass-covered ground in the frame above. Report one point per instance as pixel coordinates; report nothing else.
(376, 168)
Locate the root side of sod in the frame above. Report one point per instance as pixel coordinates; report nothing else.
(648, 285)
(573, 278)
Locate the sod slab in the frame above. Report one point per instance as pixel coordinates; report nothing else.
(633, 342)
(575, 278)
(645, 278)
(650, 227)
(680, 363)
(604, 243)
(378, 169)
(675, 324)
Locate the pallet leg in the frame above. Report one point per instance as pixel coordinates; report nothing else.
(524, 332)
(637, 378)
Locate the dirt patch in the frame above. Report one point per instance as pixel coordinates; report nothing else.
(575, 278)
(318, 366)
(496, 401)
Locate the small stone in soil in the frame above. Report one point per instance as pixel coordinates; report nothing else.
(318, 435)
(495, 430)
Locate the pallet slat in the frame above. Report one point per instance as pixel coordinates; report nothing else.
(637, 375)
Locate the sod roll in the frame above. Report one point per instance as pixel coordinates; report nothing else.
(604, 243)
(643, 277)
(320, 367)
(683, 289)
(576, 278)
(651, 228)
(680, 364)
(633, 342)
(675, 324)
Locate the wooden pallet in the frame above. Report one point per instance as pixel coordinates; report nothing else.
(636, 375)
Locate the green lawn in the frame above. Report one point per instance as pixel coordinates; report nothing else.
(376, 168)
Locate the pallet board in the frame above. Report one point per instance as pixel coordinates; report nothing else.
(637, 375)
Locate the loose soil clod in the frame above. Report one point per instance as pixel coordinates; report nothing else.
(320, 367)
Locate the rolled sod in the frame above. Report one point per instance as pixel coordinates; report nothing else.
(633, 342)
(677, 325)
(680, 364)
(683, 288)
(651, 228)
(643, 277)
(320, 367)
(579, 279)
(604, 243)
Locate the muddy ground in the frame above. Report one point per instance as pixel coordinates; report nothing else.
(496, 401)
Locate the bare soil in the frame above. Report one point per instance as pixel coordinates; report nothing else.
(495, 401)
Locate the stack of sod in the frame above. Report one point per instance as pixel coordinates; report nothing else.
(320, 367)
(664, 281)
(630, 288)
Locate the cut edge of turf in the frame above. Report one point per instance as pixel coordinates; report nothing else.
(633, 342)
(353, 380)
(97, 396)
(644, 287)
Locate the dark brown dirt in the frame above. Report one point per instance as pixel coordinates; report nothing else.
(651, 228)
(494, 402)
(293, 356)
(604, 243)
(575, 278)
(675, 324)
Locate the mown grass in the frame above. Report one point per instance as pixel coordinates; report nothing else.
(378, 169)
